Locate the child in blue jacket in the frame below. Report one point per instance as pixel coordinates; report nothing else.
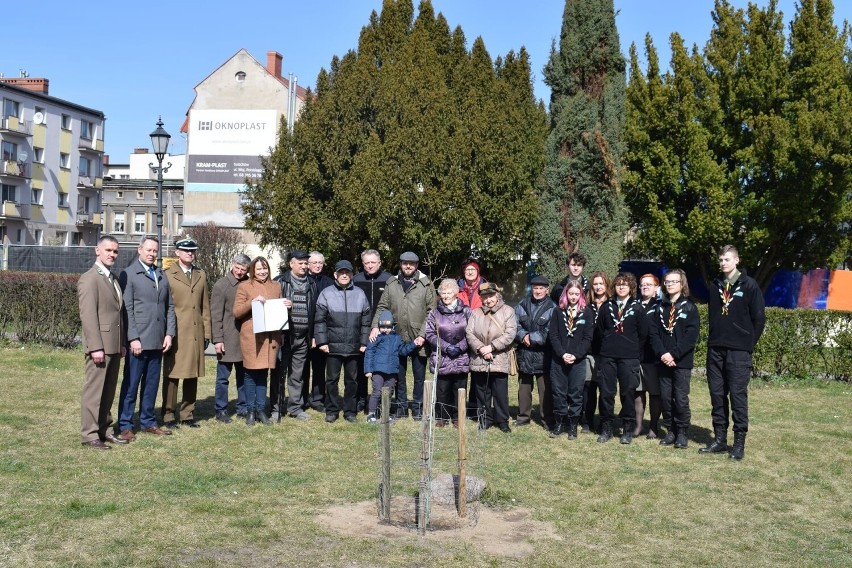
(381, 361)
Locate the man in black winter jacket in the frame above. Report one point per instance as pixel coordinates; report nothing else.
(736, 316)
(533, 314)
(342, 329)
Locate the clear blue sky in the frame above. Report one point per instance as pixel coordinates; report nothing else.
(137, 60)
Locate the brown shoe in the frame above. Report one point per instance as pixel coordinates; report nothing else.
(128, 435)
(157, 431)
(97, 445)
(111, 438)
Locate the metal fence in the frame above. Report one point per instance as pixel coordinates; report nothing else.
(66, 260)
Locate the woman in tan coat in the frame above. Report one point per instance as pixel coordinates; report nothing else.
(260, 350)
(490, 332)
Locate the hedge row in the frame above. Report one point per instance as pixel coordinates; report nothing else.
(42, 308)
(798, 343)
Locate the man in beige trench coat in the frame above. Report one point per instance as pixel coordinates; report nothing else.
(185, 361)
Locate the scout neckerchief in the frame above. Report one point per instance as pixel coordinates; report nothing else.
(570, 326)
(670, 320)
(623, 313)
(596, 308)
(726, 294)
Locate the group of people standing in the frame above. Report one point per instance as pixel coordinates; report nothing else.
(157, 320)
(584, 337)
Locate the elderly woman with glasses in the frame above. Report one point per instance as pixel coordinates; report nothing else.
(623, 328)
(673, 334)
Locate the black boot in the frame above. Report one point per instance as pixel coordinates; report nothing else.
(250, 417)
(627, 434)
(572, 428)
(681, 440)
(670, 437)
(262, 418)
(606, 433)
(737, 451)
(558, 426)
(718, 445)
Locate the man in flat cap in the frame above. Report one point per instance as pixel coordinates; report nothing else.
(534, 313)
(409, 296)
(188, 285)
(299, 291)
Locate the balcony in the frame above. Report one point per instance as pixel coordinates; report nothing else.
(87, 219)
(16, 126)
(90, 145)
(13, 168)
(15, 210)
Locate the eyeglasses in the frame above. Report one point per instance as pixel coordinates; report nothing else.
(671, 282)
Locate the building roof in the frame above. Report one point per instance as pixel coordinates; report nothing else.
(301, 92)
(41, 96)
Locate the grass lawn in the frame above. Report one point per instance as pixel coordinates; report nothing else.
(228, 495)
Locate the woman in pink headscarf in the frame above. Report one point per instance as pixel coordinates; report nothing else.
(469, 285)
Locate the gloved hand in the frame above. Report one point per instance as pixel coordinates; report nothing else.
(452, 351)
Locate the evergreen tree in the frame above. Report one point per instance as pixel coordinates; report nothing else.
(412, 142)
(582, 205)
(749, 143)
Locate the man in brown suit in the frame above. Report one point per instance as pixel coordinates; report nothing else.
(188, 285)
(103, 342)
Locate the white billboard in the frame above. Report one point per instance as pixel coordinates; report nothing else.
(224, 147)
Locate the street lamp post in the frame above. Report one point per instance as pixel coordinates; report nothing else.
(160, 140)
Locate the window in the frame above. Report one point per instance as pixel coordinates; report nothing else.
(119, 195)
(64, 160)
(9, 151)
(77, 239)
(87, 203)
(66, 122)
(85, 167)
(36, 197)
(124, 176)
(11, 108)
(140, 195)
(39, 235)
(139, 223)
(86, 129)
(118, 223)
(20, 235)
(63, 199)
(38, 155)
(62, 237)
(240, 76)
(9, 192)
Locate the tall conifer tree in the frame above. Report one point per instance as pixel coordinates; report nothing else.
(412, 142)
(582, 205)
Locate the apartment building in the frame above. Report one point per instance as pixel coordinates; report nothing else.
(51, 173)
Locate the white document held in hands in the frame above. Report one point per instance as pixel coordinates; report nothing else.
(271, 315)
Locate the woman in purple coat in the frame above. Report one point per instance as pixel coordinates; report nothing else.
(445, 332)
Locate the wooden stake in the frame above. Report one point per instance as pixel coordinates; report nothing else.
(425, 457)
(385, 488)
(461, 415)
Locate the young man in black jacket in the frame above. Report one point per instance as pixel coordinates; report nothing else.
(736, 316)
